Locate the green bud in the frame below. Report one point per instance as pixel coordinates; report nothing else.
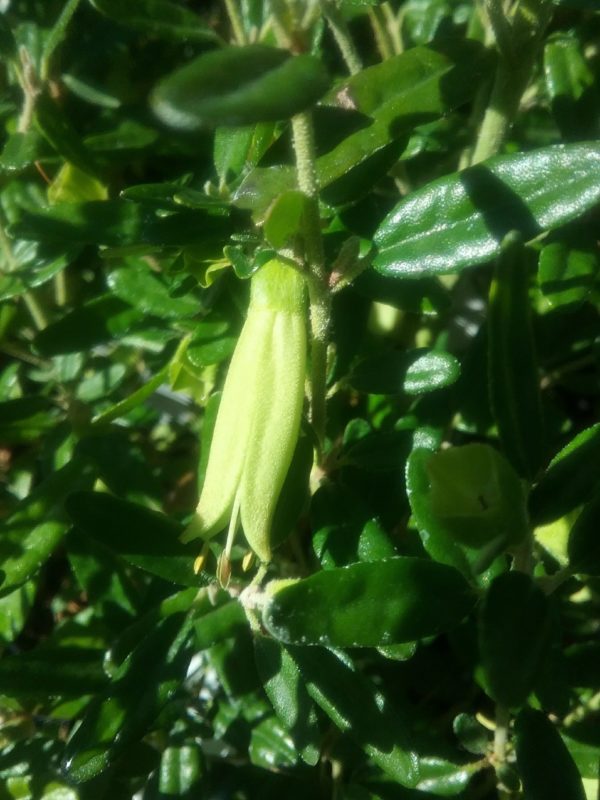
(258, 421)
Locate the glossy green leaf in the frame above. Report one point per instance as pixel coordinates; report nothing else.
(14, 611)
(547, 769)
(289, 697)
(358, 606)
(20, 151)
(181, 771)
(350, 700)
(411, 372)
(472, 735)
(513, 637)
(461, 220)
(270, 746)
(32, 532)
(144, 538)
(445, 778)
(584, 542)
(513, 374)
(567, 270)
(240, 86)
(101, 320)
(570, 478)
(162, 18)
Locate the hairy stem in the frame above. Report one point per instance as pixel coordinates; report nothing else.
(341, 34)
(320, 301)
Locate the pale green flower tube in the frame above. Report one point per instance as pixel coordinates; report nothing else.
(259, 415)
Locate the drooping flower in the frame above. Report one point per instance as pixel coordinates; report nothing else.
(258, 420)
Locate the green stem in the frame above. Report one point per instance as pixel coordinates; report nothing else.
(319, 296)
(518, 44)
(500, 743)
(383, 39)
(237, 23)
(341, 34)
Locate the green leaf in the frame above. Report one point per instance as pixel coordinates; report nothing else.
(357, 606)
(240, 86)
(26, 419)
(409, 89)
(144, 538)
(181, 771)
(461, 220)
(284, 218)
(270, 746)
(410, 372)
(584, 542)
(513, 373)
(547, 769)
(162, 18)
(64, 671)
(351, 702)
(570, 478)
(57, 35)
(31, 533)
(14, 611)
(100, 320)
(345, 530)
(289, 697)
(58, 131)
(8, 46)
(473, 497)
(135, 284)
(223, 623)
(121, 716)
(20, 151)
(567, 269)
(570, 83)
(514, 627)
(116, 223)
(445, 778)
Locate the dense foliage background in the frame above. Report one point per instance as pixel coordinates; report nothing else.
(457, 470)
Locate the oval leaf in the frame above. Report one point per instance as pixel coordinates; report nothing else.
(239, 86)
(461, 220)
(369, 604)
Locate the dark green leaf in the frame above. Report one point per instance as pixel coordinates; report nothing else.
(513, 636)
(289, 697)
(240, 86)
(8, 46)
(357, 606)
(570, 81)
(20, 151)
(513, 373)
(136, 285)
(570, 478)
(101, 320)
(32, 532)
(64, 671)
(584, 542)
(222, 623)
(351, 702)
(58, 131)
(411, 372)
(144, 538)
(567, 270)
(26, 419)
(547, 769)
(461, 220)
(162, 18)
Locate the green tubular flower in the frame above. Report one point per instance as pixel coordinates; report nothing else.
(259, 416)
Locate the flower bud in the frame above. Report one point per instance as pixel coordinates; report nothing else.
(258, 420)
